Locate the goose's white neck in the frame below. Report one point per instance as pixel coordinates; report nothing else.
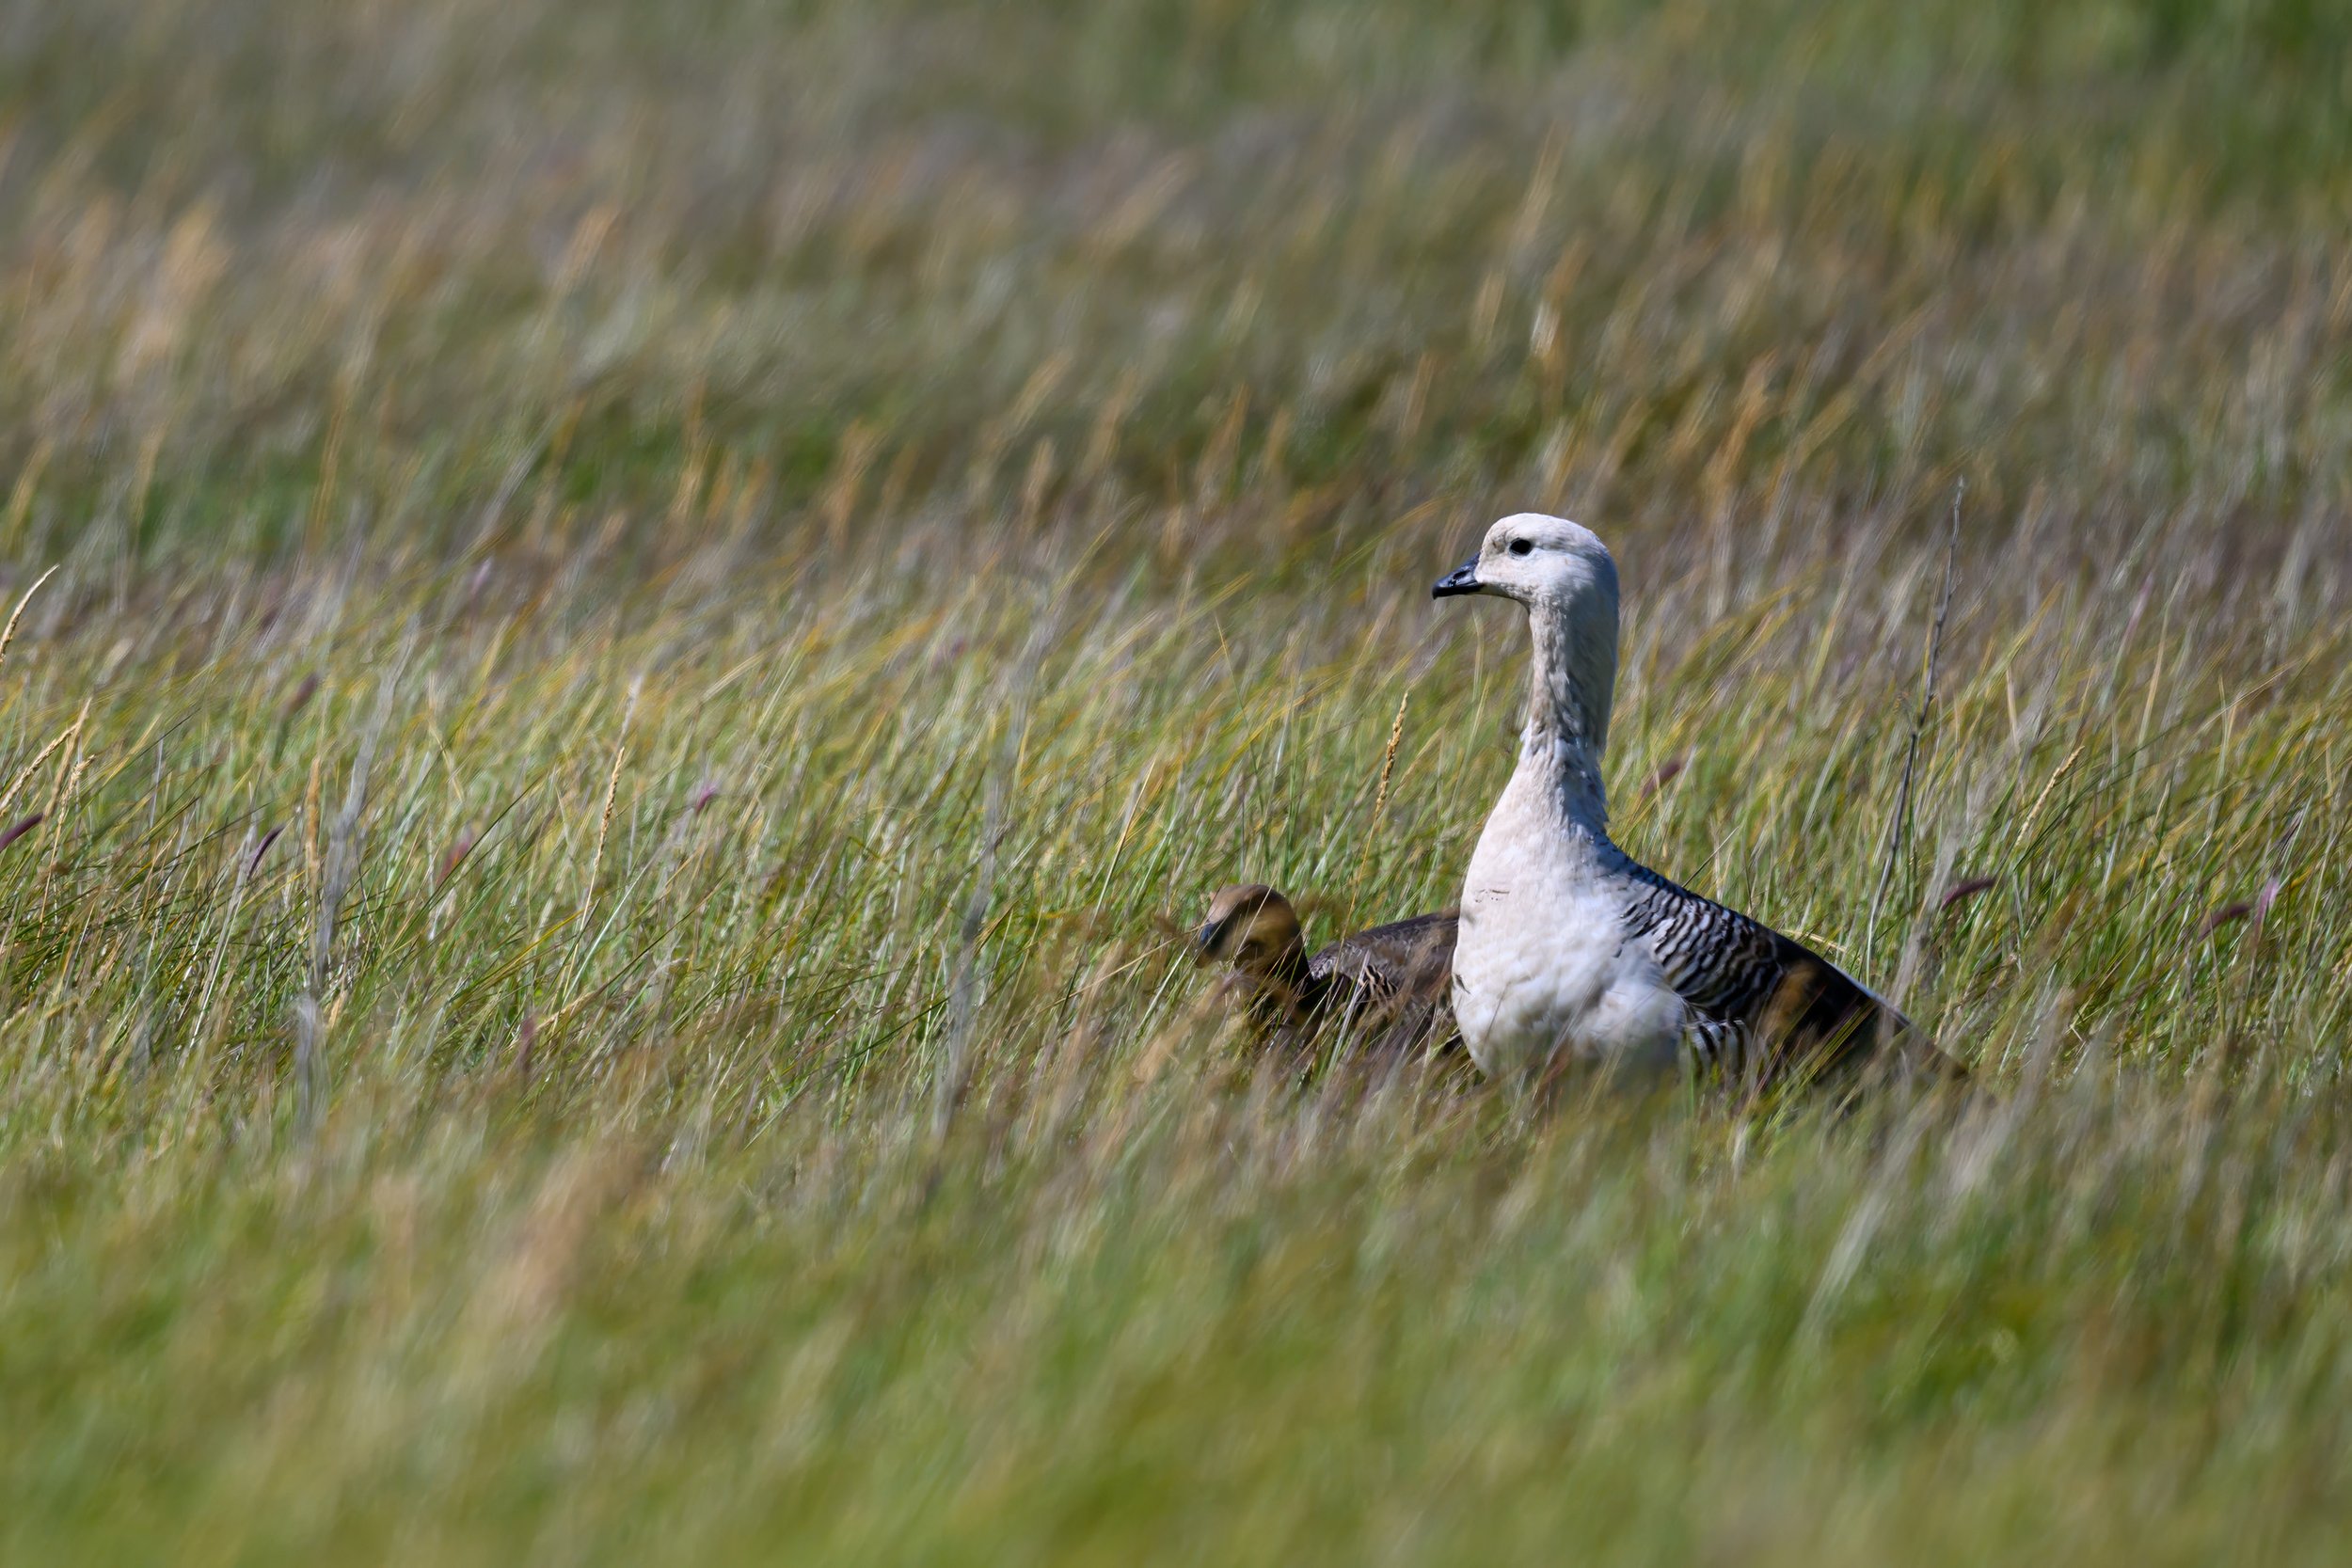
(1571, 679)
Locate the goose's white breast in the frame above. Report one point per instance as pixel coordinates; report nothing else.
(1544, 963)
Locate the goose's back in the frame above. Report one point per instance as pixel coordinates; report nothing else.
(1395, 981)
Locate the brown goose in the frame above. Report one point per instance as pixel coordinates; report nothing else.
(1389, 987)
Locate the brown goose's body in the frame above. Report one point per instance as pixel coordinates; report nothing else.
(1389, 988)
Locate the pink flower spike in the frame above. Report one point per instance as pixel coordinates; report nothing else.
(263, 849)
(2223, 915)
(301, 698)
(456, 855)
(1960, 892)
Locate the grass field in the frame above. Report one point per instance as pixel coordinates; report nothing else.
(659, 614)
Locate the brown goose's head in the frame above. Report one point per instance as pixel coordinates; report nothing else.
(1252, 927)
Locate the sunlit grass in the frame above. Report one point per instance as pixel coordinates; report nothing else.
(776, 561)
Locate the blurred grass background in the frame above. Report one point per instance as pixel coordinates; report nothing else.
(660, 612)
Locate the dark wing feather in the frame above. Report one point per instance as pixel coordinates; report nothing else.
(1395, 982)
(1763, 1006)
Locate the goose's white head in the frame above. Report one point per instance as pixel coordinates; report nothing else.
(1567, 579)
(1545, 564)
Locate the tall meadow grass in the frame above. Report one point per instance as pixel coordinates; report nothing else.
(639, 629)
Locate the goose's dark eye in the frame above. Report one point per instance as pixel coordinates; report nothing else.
(1520, 547)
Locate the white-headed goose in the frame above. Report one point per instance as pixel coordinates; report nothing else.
(1569, 948)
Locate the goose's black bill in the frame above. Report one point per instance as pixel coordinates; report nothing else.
(1462, 580)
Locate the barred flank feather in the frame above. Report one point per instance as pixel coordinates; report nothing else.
(1761, 1004)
